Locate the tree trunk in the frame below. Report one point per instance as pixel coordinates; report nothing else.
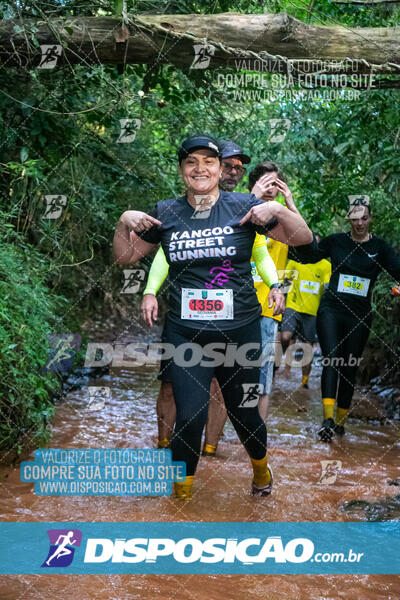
(157, 39)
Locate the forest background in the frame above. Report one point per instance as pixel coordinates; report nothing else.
(59, 136)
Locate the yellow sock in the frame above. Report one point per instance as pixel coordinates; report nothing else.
(164, 443)
(341, 415)
(262, 476)
(329, 405)
(304, 379)
(209, 449)
(183, 489)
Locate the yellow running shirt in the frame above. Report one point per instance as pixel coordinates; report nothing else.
(306, 290)
(278, 252)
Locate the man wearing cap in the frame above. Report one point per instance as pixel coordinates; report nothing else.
(233, 159)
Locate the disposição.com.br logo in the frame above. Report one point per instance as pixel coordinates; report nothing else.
(62, 547)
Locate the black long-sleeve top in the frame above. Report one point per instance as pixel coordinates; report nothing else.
(355, 268)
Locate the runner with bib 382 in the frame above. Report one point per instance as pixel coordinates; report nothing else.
(345, 313)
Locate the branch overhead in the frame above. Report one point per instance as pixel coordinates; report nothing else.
(275, 39)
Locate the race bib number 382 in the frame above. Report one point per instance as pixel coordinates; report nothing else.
(206, 304)
(351, 284)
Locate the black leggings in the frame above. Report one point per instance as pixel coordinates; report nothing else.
(191, 386)
(342, 337)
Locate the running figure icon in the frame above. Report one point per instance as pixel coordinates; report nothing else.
(63, 543)
(62, 550)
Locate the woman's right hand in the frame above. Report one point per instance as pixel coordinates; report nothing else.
(149, 309)
(138, 221)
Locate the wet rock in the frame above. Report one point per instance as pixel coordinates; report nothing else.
(391, 405)
(376, 389)
(387, 392)
(367, 407)
(74, 382)
(80, 377)
(383, 510)
(379, 402)
(83, 372)
(354, 504)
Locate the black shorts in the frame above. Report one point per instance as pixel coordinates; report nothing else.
(300, 324)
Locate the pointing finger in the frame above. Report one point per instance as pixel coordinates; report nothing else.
(154, 220)
(246, 218)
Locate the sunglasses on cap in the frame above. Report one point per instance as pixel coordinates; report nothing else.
(361, 201)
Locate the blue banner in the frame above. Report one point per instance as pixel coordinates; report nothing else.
(200, 548)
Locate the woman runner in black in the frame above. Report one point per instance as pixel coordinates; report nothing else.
(207, 237)
(345, 313)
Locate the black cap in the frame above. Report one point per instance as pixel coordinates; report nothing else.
(232, 150)
(195, 142)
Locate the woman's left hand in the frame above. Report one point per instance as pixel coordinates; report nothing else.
(276, 297)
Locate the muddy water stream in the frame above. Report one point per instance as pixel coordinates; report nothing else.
(369, 453)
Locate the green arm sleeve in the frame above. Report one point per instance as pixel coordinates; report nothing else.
(157, 274)
(265, 265)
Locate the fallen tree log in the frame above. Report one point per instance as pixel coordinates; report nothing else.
(279, 40)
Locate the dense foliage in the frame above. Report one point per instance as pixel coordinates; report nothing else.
(27, 313)
(59, 131)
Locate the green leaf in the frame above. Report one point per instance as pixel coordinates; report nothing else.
(118, 6)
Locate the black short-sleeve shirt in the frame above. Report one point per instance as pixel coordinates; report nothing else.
(209, 251)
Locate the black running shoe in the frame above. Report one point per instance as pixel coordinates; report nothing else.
(325, 433)
(339, 429)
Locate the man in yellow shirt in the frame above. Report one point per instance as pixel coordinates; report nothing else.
(304, 296)
(267, 181)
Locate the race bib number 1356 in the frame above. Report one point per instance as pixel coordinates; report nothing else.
(206, 304)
